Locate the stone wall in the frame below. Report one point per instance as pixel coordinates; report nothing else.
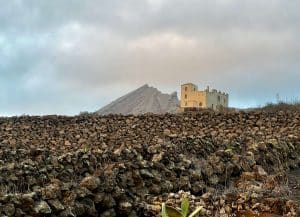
(127, 165)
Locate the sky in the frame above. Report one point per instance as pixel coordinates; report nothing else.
(63, 57)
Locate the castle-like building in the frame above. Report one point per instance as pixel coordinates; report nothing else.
(191, 97)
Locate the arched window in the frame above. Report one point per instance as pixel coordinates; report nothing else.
(185, 96)
(200, 104)
(185, 88)
(186, 104)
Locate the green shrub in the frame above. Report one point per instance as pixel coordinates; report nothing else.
(168, 211)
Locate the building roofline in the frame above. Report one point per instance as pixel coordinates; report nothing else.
(188, 83)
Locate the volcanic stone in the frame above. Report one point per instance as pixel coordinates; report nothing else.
(90, 182)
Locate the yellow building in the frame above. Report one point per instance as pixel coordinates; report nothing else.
(191, 97)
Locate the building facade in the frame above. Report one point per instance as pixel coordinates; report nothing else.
(191, 97)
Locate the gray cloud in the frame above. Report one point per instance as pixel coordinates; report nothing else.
(71, 54)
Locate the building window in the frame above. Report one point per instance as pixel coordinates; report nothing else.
(212, 106)
(185, 96)
(194, 89)
(186, 104)
(200, 104)
(219, 99)
(185, 88)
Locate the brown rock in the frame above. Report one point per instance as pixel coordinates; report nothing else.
(90, 182)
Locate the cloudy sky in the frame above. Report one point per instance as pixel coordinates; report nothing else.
(69, 56)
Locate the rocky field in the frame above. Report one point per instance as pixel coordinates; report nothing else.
(232, 164)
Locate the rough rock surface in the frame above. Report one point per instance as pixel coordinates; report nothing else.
(233, 164)
(142, 100)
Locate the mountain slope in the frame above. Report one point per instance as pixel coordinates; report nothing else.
(142, 100)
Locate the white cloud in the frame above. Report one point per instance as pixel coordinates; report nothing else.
(88, 47)
(162, 41)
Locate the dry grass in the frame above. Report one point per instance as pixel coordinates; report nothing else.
(281, 106)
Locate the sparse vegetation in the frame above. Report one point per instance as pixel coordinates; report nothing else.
(169, 211)
(282, 106)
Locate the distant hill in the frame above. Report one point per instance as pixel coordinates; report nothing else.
(145, 99)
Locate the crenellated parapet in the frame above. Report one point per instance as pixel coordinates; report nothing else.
(191, 97)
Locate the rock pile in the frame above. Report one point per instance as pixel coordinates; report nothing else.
(143, 100)
(230, 163)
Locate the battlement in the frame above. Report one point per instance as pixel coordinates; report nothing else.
(191, 97)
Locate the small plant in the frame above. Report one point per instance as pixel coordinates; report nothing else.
(168, 211)
(86, 148)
